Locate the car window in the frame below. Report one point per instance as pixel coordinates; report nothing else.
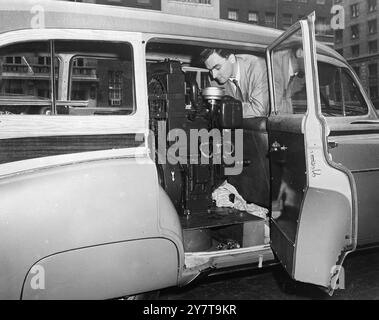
(101, 78)
(91, 78)
(25, 81)
(288, 77)
(339, 94)
(354, 103)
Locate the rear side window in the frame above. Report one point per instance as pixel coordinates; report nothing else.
(25, 78)
(90, 78)
(340, 95)
(101, 80)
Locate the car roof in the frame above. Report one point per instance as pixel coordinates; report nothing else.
(20, 14)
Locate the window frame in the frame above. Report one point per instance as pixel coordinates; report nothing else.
(236, 11)
(63, 125)
(354, 10)
(369, 48)
(355, 27)
(42, 103)
(271, 14)
(253, 21)
(373, 23)
(346, 73)
(340, 122)
(374, 8)
(69, 100)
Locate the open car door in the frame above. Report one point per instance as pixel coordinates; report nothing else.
(313, 221)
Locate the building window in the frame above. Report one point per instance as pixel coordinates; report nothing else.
(302, 1)
(322, 26)
(144, 2)
(270, 19)
(13, 60)
(372, 26)
(320, 1)
(232, 14)
(253, 17)
(46, 61)
(355, 32)
(373, 92)
(373, 71)
(355, 50)
(286, 20)
(194, 1)
(372, 46)
(78, 62)
(338, 36)
(115, 87)
(354, 9)
(371, 5)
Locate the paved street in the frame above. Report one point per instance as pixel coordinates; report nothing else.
(361, 282)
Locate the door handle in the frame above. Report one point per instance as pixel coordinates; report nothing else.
(332, 144)
(276, 146)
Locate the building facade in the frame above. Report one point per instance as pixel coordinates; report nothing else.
(144, 4)
(280, 13)
(358, 42)
(195, 8)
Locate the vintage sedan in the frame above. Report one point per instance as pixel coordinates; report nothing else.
(90, 206)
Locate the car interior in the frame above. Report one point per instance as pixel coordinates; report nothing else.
(177, 89)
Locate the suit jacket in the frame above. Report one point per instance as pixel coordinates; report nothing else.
(285, 88)
(253, 84)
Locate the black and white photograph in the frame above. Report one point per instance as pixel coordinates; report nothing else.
(208, 151)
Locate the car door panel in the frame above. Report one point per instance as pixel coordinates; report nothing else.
(313, 222)
(359, 153)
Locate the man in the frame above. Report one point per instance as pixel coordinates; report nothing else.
(243, 76)
(289, 81)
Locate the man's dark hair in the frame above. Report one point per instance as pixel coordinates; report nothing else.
(204, 55)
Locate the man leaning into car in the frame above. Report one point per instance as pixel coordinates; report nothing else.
(243, 76)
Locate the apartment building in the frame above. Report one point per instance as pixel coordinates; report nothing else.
(194, 8)
(358, 42)
(280, 14)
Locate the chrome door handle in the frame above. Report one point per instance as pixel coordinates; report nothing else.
(332, 144)
(276, 146)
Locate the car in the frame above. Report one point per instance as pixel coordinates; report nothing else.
(115, 145)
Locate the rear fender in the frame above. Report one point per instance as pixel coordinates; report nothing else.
(56, 210)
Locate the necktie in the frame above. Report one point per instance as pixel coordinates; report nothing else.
(238, 90)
